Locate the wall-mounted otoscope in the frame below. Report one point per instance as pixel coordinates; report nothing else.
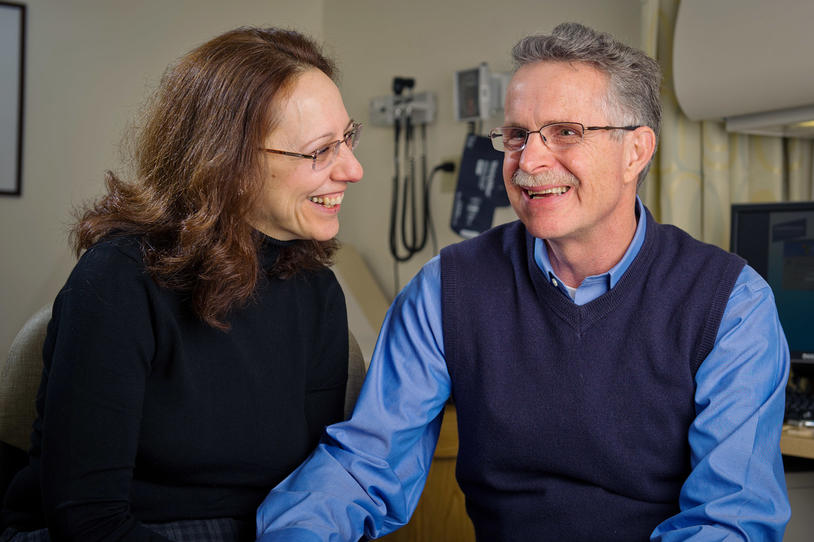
(410, 220)
(418, 221)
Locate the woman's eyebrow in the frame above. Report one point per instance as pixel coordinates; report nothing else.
(327, 134)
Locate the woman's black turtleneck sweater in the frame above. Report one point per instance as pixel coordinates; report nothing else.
(146, 414)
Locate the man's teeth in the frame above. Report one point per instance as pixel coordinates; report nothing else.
(328, 202)
(554, 190)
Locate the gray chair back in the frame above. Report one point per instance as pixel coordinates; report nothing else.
(19, 379)
(356, 374)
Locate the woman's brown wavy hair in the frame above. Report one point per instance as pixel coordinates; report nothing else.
(198, 171)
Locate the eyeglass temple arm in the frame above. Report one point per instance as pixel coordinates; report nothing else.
(287, 153)
(631, 127)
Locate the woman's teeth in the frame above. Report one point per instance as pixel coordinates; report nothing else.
(328, 202)
(548, 191)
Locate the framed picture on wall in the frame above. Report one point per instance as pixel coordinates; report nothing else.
(12, 62)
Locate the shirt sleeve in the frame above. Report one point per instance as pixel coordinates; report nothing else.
(98, 354)
(367, 474)
(736, 489)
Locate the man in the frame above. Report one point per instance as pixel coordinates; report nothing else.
(614, 379)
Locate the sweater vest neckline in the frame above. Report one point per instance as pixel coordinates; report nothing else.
(582, 316)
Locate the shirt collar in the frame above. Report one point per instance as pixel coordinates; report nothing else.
(595, 285)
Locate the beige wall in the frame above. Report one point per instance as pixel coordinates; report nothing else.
(91, 63)
(430, 39)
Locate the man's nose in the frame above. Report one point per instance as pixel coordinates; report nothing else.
(536, 154)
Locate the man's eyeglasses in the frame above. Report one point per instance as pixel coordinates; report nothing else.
(324, 156)
(557, 136)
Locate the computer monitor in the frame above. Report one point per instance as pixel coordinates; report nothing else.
(777, 240)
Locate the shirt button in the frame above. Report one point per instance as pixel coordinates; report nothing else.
(554, 282)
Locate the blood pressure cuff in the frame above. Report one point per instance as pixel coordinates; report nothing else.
(480, 187)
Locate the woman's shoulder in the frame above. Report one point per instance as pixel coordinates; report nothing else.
(108, 286)
(324, 281)
(317, 289)
(115, 260)
(116, 248)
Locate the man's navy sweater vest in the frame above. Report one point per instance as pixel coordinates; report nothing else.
(572, 419)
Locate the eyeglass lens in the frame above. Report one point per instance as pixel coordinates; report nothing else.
(325, 156)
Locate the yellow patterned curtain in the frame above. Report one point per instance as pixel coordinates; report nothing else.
(701, 169)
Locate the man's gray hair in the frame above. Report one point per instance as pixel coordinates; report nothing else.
(634, 78)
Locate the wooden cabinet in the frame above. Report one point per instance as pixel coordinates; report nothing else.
(798, 442)
(441, 512)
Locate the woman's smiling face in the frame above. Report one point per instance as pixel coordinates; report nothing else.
(296, 201)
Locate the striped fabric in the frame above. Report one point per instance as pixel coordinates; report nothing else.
(193, 530)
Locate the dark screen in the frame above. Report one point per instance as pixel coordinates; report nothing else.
(777, 240)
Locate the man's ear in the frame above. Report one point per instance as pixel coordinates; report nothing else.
(641, 144)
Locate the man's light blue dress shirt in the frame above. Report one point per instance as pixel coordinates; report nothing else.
(367, 474)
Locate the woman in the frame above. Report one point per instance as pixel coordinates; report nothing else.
(200, 345)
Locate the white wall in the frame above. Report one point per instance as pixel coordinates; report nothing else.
(90, 65)
(430, 39)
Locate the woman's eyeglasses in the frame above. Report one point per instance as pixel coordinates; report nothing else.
(324, 156)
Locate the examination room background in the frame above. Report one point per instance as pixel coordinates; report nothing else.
(91, 63)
